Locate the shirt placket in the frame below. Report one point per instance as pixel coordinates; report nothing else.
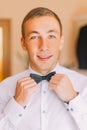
(43, 105)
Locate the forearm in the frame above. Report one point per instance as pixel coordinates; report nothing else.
(78, 110)
(10, 115)
(5, 124)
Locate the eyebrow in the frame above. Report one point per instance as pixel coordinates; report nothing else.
(31, 32)
(36, 32)
(53, 30)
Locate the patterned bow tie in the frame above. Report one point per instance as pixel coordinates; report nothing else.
(39, 78)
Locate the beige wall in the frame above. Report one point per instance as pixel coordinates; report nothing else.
(16, 10)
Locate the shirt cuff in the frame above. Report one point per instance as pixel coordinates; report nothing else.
(14, 111)
(78, 105)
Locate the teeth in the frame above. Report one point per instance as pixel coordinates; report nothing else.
(43, 57)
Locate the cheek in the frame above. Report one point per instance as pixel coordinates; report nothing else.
(55, 47)
(32, 50)
(56, 51)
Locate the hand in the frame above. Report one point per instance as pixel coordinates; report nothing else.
(24, 89)
(63, 87)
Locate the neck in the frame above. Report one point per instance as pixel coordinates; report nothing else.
(43, 71)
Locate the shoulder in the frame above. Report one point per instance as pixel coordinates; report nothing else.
(12, 80)
(16, 76)
(71, 73)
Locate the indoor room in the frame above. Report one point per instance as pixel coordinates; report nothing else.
(73, 15)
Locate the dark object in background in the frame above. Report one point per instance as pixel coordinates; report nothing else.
(82, 48)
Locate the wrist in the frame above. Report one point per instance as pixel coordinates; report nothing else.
(75, 95)
(19, 101)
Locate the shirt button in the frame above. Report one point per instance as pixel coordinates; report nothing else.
(20, 115)
(25, 107)
(71, 109)
(67, 109)
(44, 111)
(44, 92)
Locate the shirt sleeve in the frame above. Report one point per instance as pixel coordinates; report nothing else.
(78, 109)
(11, 115)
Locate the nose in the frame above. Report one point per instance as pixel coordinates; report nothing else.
(44, 45)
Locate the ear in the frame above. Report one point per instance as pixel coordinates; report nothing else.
(61, 42)
(23, 44)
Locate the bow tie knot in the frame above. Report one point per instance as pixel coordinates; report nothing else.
(39, 78)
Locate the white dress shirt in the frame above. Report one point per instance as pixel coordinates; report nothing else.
(45, 111)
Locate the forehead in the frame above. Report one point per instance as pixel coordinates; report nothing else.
(43, 22)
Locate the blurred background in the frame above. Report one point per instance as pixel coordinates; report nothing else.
(73, 15)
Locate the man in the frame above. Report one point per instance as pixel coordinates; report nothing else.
(56, 102)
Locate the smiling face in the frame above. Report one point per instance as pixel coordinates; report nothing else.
(43, 43)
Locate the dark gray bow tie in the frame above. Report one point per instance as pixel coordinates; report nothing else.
(39, 78)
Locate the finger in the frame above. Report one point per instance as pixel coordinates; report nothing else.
(27, 84)
(24, 79)
(30, 85)
(53, 87)
(54, 81)
(57, 76)
(32, 89)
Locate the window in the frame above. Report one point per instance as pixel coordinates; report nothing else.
(5, 48)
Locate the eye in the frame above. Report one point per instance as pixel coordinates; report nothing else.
(34, 37)
(52, 36)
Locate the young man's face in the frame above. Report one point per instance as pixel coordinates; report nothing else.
(42, 42)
